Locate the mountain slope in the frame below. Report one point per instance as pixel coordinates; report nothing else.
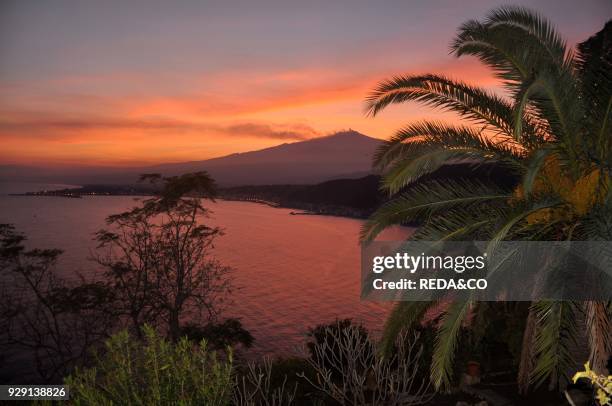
(338, 155)
(344, 154)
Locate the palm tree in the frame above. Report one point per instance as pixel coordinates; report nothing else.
(551, 131)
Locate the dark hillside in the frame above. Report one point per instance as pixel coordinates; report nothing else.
(352, 197)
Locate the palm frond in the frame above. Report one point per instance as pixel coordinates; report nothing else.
(527, 360)
(446, 341)
(472, 103)
(426, 136)
(493, 49)
(597, 224)
(560, 105)
(538, 26)
(460, 224)
(534, 166)
(594, 68)
(513, 41)
(523, 96)
(409, 170)
(514, 219)
(421, 200)
(530, 56)
(554, 98)
(555, 335)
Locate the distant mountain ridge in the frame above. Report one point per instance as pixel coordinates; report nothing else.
(340, 155)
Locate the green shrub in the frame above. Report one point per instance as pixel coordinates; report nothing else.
(153, 372)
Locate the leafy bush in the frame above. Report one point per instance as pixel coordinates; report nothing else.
(219, 336)
(153, 372)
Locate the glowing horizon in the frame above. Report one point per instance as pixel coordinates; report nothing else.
(145, 83)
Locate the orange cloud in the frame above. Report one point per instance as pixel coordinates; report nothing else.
(231, 111)
(49, 137)
(54, 126)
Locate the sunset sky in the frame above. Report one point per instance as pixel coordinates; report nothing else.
(135, 82)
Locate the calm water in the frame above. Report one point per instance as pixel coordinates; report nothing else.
(293, 272)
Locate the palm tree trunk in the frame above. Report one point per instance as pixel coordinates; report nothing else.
(598, 327)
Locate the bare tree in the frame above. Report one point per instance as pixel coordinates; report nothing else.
(157, 257)
(351, 373)
(255, 387)
(157, 270)
(49, 320)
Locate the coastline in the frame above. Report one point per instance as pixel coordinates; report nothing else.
(301, 209)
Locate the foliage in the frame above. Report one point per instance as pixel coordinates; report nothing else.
(551, 131)
(602, 384)
(156, 371)
(157, 257)
(54, 320)
(157, 271)
(153, 372)
(228, 333)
